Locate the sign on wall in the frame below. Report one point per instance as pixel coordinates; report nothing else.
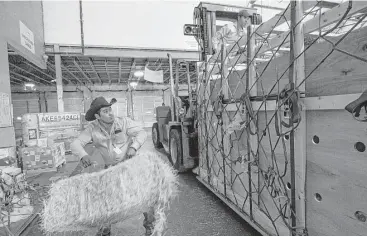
(26, 37)
(6, 119)
(55, 120)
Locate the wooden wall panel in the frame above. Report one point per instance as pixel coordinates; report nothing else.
(339, 74)
(336, 174)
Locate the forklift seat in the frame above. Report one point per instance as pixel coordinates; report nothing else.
(163, 114)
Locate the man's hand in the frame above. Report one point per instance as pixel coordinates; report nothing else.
(241, 51)
(130, 153)
(86, 161)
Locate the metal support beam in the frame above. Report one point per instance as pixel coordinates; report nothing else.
(81, 71)
(268, 7)
(59, 88)
(75, 77)
(26, 78)
(299, 134)
(133, 63)
(94, 69)
(87, 98)
(39, 78)
(37, 69)
(91, 51)
(105, 87)
(64, 78)
(119, 71)
(160, 65)
(106, 67)
(15, 81)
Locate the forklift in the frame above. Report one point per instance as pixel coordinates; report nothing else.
(175, 129)
(210, 18)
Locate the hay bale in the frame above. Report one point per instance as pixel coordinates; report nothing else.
(110, 196)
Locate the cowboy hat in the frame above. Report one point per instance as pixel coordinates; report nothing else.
(97, 104)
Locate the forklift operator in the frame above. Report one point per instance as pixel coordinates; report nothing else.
(230, 33)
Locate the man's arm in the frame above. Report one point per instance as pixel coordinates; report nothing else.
(135, 130)
(77, 146)
(219, 35)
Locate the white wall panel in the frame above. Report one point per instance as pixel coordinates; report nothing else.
(62, 22)
(142, 24)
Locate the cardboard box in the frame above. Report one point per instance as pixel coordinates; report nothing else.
(43, 158)
(42, 142)
(58, 152)
(8, 157)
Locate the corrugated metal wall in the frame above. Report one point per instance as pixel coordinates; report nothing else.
(144, 108)
(145, 103)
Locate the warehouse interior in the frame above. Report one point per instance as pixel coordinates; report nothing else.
(57, 57)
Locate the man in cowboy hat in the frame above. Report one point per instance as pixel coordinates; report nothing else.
(116, 139)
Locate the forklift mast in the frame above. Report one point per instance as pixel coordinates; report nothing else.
(176, 103)
(206, 19)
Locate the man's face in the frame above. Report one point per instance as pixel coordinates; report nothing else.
(106, 115)
(244, 21)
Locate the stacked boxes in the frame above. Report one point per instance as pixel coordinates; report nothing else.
(43, 158)
(45, 129)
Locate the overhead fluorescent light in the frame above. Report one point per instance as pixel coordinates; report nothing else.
(133, 83)
(29, 85)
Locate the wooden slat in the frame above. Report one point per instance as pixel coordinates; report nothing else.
(327, 18)
(339, 74)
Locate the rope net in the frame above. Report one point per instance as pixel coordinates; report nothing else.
(248, 110)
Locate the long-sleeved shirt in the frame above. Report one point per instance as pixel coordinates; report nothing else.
(228, 35)
(124, 133)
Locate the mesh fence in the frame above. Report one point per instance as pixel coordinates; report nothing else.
(247, 117)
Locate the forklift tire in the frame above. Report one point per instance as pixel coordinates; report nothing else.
(175, 150)
(155, 136)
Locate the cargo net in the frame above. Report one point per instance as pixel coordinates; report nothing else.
(247, 125)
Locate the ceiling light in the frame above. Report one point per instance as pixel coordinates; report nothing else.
(19, 118)
(138, 73)
(29, 84)
(133, 84)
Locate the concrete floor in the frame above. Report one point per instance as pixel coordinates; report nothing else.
(196, 211)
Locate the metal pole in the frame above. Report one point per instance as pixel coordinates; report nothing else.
(81, 25)
(132, 104)
(59, 88)
(251, 90)
(189, 82)
(172, 88)
(298, 136)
